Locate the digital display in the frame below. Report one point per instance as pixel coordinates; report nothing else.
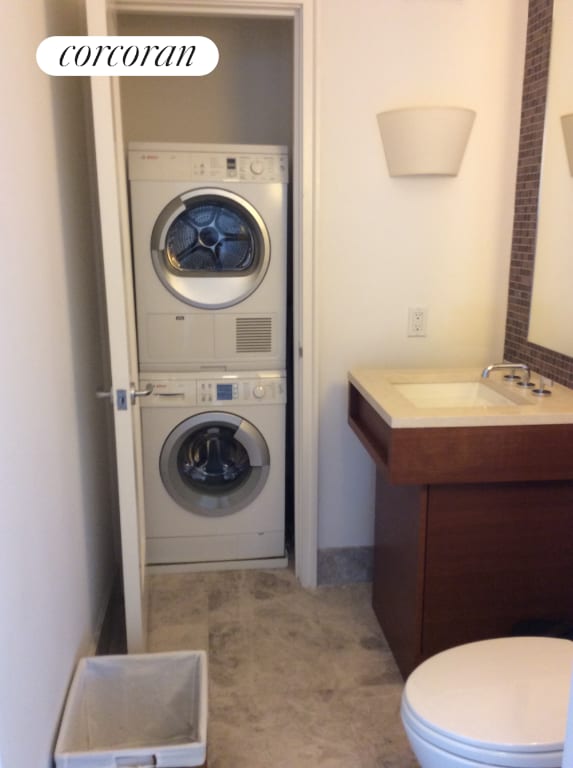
(224, 391)
(231, 163)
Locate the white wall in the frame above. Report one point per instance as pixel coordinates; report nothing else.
(389, 243)
(55, 534)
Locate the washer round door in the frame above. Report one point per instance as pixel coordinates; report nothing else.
(214, 463)
(210, 248)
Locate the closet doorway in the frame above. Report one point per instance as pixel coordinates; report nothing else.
(115, 17)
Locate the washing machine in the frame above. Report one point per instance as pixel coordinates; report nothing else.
(209, 233)
(214, 466)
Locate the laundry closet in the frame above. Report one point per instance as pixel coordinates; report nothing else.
(208, 173)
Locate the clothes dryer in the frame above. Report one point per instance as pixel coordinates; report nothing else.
(213, 466)
(209, 232)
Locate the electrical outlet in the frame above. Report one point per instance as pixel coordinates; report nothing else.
(417, 321)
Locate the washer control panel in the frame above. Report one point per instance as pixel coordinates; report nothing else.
(242, 391)
(207, 390)
(218, 391)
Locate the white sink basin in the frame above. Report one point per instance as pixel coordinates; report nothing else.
(457, 397)
(453, 394)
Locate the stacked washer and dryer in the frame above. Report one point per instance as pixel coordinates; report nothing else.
(209, 232)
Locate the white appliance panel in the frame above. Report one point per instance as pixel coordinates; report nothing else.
(174, 533)
(174, 334)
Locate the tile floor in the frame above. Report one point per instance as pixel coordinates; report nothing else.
(298, 678)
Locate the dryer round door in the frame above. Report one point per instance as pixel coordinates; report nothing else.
(210, 248)
(214, 463)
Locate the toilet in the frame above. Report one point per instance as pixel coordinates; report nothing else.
(500, 702)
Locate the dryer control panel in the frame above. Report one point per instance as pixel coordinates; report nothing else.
(208, 390)
(208, 162)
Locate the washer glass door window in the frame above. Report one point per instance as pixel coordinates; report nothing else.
(210, 248)
(214, 463)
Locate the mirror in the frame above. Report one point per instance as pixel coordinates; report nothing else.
(551, 314)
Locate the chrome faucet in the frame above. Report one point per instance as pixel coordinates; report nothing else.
(509, 366)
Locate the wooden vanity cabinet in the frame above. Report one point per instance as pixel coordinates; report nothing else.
(464, 555)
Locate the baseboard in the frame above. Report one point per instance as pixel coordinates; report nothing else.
(345, 565)
(267, 563)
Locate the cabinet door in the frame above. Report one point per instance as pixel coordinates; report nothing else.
(496, 554)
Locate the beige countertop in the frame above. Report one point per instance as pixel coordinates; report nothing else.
(380, 387)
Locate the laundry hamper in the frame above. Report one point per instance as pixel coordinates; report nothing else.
(137, 710)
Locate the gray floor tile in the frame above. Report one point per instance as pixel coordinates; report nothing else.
(297, 678)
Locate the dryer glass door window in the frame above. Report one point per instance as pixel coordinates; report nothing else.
(214, 463)
(210, 237)
(210, 248)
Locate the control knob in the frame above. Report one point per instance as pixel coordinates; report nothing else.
(258, 391)
(257, 167)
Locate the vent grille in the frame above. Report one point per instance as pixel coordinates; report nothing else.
(253, 334)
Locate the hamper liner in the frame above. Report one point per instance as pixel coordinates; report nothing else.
(136, 710)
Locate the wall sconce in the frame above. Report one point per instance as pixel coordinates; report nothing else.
(567, 125)
(421, 141)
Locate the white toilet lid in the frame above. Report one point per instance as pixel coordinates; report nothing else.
(509, 694)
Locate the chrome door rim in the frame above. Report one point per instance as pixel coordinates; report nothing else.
(208, 290)
(215, 505)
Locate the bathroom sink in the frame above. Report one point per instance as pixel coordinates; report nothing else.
(458, 397)
(453, 394)
(451, 426)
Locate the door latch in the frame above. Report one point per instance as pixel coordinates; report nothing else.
(121, 400)
(121, 395)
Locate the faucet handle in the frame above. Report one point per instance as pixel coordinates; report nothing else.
(527, 383)
(540, 391)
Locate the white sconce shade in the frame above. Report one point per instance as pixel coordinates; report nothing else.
(567, 125)
(420, 141)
